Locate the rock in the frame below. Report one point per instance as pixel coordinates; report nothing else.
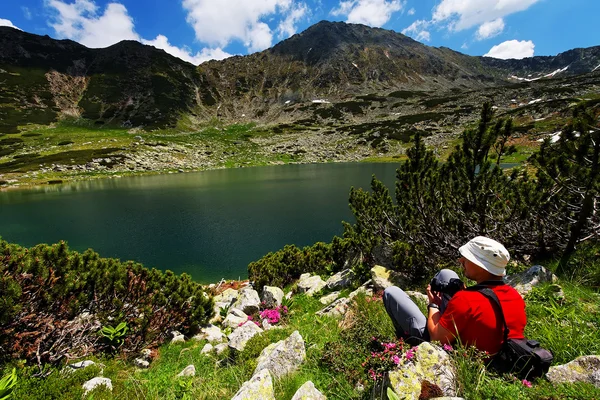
(221, 347)
(581, 369)
(81, 364)
(228, 296)
(308, 391)
(240, 336)
(266, 325)
(283, 357)
(340, 280)
(429, 363)
(234, 319)
(383, 278)
(289, 295)
(259, 387)
(95, 382)
(190, 370)
(525, 281)
(146, 354)
(177, 337)
(272, 296)
(328, 299)
(337, 308)
(140, 363)
(310, 284)
(207, 348)
(211, 333)
(418, 297)
(248, 302)
(363, 289)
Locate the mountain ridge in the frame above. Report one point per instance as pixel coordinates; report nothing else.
(139, 85)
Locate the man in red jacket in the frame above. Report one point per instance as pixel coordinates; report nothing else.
(468, 317)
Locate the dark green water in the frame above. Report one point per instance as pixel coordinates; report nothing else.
(208, 224)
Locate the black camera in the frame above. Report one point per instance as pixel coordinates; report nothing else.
(449, 287)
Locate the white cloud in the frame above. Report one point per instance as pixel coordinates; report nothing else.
(418, 30)
(490, 29)
(287, 27)
(242, 20)
(162, 42)
(6, 22)
(81, 21)
(411, 11)
(464, 14)
(26, 13)
(369, 12)
(512, 49)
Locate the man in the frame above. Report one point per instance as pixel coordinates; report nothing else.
(468, 317)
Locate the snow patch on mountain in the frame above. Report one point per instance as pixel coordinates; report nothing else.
(550, 75)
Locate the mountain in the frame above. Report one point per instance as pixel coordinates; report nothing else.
(42, 79)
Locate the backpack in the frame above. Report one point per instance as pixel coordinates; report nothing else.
(524, 358)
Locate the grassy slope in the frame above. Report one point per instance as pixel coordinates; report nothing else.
(570, 327)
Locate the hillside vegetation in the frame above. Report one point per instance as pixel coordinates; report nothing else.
(336, 92)
(60, 306)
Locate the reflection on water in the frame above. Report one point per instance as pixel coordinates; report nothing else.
(210, 224)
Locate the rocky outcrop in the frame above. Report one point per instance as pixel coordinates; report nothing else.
(248, 301)
(310, 285)
(272, 296)
(177, 337)
(234, 319)
(382, 278)
(81, 364)
(259, 387)
(525, 281)
(582, 369)
(190, 370)
(96, 382)
(210, 332)
(340, 280)
(337, 308)
(330, 298)
(283, 357)
(207, 348)
(308, 391)
(240, 336)
(426, 363)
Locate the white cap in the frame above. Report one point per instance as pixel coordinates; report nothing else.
(486, 253)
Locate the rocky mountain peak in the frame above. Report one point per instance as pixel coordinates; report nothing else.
(326, 40)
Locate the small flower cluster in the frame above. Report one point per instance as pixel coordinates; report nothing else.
(274, 315)
(385, 356)
(377, 297)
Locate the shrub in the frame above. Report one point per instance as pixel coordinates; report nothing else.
(286, 265)
(55, 300)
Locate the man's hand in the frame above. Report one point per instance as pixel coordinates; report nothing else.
(434, 297)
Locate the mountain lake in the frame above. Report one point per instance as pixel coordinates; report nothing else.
(209, 224)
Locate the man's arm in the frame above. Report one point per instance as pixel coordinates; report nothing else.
(436, 331)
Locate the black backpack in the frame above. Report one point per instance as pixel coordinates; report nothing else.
(523, 358)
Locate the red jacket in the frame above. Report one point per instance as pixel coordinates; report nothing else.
(472, 318)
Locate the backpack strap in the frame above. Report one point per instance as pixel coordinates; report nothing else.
(490, 295)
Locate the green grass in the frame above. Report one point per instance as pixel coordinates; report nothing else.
(570, 327)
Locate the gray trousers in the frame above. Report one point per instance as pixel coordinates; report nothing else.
(409, 321)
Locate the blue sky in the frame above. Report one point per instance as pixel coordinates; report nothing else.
(198, 30)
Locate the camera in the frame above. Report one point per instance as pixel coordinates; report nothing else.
(449, 287)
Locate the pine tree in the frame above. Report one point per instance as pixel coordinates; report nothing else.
(571, 167)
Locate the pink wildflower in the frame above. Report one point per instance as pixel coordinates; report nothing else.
(410, 354)
(395, 359)
(447, 347)
(526, 383)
